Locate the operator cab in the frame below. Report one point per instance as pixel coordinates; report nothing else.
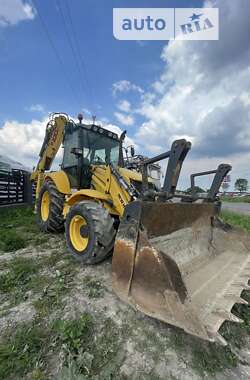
(86, 145)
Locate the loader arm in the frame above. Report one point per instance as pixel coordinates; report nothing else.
(52, 141)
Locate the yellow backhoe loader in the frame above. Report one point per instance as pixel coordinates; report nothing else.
(173, 258)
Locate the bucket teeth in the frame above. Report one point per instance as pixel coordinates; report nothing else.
(245, 276)
(219, 339)
(236, 299)
(242, 301)
(228, 316)
(241, 285)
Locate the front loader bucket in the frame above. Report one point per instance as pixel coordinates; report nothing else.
(179, 263)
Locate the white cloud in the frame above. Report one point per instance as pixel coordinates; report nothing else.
(14, 11)
(22, 141)
(126, 86)
(124, 119)
(35, 108)
(124, 106)
(114, 128)
(203, 93)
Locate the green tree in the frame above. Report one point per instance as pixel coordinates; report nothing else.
(197, 190)
(241, 184)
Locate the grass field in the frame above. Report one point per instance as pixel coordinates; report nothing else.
(59, 320)
(237, 220)
(236, 199)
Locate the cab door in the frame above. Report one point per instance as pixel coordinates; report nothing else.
(70, 160)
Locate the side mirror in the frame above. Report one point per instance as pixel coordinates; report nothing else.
(132, 151)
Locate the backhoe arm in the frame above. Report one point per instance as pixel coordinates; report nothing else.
(51, 144)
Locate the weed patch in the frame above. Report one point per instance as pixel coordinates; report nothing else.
(23, 351)
(18, 228)
(85, 357)
(11, 241)
(94, 289)
(209, 359)
(28, 349)
(73, 334)
(53, 293)
(245, 199)
(17, 280)
(242, 221)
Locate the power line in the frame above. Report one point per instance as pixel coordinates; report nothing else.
(78, 49)
(75, 58)
(53, 46)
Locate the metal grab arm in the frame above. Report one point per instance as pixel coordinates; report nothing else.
(176, 155)
(220, 173)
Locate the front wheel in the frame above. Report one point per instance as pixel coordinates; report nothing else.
(89, 232)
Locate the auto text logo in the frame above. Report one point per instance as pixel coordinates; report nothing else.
(166, 23)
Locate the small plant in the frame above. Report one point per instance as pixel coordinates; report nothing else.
(53, 293)
(18, 229)
(73, 334)
(18, 216)
(11, 241)
(93, 288)
(86, 356)
(22, 351)
(209, 359)
(18, 276)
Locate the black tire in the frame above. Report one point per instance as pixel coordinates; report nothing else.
(99, 230)
(55, 220)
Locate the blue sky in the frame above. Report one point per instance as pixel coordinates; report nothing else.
(158, 91)
(30, 72)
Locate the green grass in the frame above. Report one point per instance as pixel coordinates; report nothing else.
(73, 335)
(236, 199)
(54, 292)
(11, 241)
(23, 350)
(210, 359)
(18, 228)
(92, 358)
(84, 354)
(18, 279)
(28, 348)
(23, 274)
(236, 220)
(93, 288)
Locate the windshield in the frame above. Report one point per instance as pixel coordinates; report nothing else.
(99, 149)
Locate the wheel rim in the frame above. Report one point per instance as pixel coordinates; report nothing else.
(77, 224)
(45, 206)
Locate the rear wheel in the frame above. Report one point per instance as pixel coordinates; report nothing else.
(89, 232)
(50, 207)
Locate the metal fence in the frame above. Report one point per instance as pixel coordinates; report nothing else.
(15, 188)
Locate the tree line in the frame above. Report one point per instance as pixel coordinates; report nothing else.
(241, 185)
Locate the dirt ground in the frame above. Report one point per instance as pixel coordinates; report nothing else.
(121, 343)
